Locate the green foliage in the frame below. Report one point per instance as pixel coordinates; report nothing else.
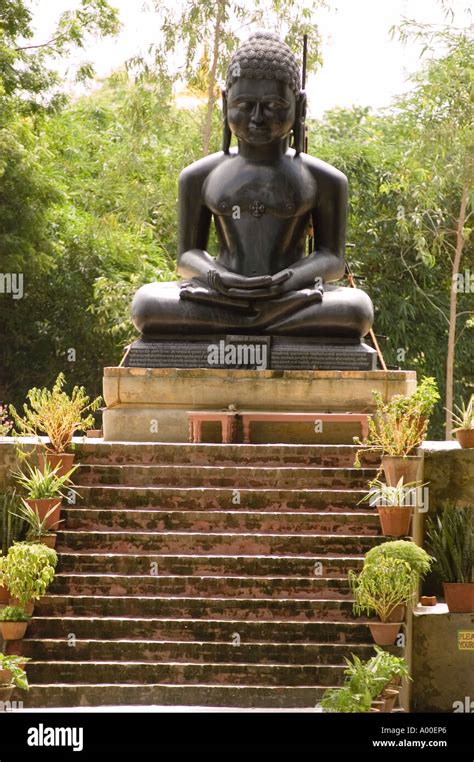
(28, 571)
(12, 527)
(381, 587)
(56, 414)
(450, 537)
(37, 526)
(464, 418)
(364, 682)
(406, 169)
(399, 495)
(40, 484)
(14, 614)
(406, 550)
(422, 402)
(12, 663)
(394, 430)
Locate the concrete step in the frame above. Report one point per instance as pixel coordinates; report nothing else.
(218, 498)
(190, 652)
(194, 586)
(114, 694)
(118, 453)
(180, 673)
(284, 522)
(221, 565)
(216, 543)
(203, 629)
(180, 607)
(279, 477)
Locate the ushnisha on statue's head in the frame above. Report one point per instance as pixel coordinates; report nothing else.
(263, 102)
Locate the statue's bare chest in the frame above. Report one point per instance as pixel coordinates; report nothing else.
(237, 189)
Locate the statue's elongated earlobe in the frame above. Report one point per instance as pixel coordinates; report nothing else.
(299, 126)
(226, 132)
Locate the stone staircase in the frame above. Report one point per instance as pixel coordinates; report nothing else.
(204, 575)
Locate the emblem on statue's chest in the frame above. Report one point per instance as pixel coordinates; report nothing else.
(257, 208)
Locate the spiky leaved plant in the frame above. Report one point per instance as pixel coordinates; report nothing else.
(450, 536)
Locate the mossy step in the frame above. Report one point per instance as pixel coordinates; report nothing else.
(240, 696)
(248, 565)
(168, 650)
(181, 673)
(179, 606)
(216, 543)
(208, 454)
(153, 584)
(217, 498)
(304, 522)
(225, 476)
(204, 629)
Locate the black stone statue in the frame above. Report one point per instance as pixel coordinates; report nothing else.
(263, 196)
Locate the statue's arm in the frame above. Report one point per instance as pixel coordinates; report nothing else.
(194, 222)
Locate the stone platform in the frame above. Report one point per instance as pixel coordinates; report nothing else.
(150, 404)
(250, 352)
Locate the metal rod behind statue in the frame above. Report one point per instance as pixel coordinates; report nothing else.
(303, 87)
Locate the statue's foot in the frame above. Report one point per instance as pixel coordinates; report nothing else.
(343, 312)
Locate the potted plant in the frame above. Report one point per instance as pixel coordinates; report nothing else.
(417, 558)
(59, 416)
(14, 620)
(44, 490)
(28, 571)
(12, 673)
(381, 588)
(38, 531)
(397, 428)
(464, 420)
(450, 537)
(390, 669)
(342, 700)
(394, 505)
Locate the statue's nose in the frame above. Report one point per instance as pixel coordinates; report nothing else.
(257, 117)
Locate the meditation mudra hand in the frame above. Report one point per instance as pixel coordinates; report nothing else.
(262, 196)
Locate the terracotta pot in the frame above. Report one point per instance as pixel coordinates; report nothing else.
(395, 520)
(396, 680)
(398, 614)
(377, 706)
(29, 608)
(465, 438)
(4, 594)
(428, 600)
(459, 597)
(5, 676)
(41, 508)
(64, 459)
(49, 540)
(95, 433)
(14, 630)
(384, 633)
(6, 692)
(395, 467)
(390, 696)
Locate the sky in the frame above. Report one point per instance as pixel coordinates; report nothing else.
(362, 65)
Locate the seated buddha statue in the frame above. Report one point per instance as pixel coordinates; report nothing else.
(262, 196)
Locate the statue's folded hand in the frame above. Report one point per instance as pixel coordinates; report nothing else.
(223, 282)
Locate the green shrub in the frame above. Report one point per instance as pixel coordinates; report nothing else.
(406, 550)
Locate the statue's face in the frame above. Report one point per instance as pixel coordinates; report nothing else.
(260, 111)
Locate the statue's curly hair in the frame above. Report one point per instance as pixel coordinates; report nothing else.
(264, 56)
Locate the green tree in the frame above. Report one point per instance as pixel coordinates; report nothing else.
(192, 24)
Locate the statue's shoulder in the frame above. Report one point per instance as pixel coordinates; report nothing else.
(324, 172)
(200, 169)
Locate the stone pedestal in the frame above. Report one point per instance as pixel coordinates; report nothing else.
(150, 405)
